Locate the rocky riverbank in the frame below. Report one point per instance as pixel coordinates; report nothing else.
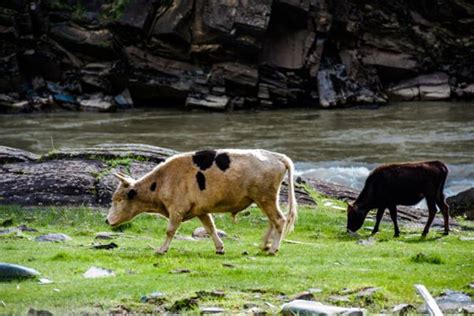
(105, 55)
(83, 177)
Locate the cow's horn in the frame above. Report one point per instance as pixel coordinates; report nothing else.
(124, 178)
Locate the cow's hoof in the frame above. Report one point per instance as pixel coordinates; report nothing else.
(273, 252)
(220, 252)
(446, 233)
(266, 248)
(160, 252)
(396, 235)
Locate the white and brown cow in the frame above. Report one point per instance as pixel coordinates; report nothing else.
(211, 181)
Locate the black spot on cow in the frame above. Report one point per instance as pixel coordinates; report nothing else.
(153, 186)
(131, 194)
(204, 159)
(223, 161)
(201, 180)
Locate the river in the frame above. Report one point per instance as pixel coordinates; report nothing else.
(334, 145)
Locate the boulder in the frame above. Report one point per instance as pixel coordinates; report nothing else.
(462, 204)
(10, 155)
(72, 176)
(49, 183)
(96, 76)
(93, 43)
(97, 103)
(10, 272)
(433, 86)
(58, 237)
(156, 77)
(209, 101)
(173, 21)
(302, 307)
(112, 151)
(137, 14)
(286, 47)
(200, 232)
(238, 79)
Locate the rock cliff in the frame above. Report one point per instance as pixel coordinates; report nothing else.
(104, 55)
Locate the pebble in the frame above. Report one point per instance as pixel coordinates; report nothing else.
(200, 232)
(178, 271)
(212, 310)
(96, 272)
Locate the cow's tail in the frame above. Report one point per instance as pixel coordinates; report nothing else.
(292, 205)
(444, 175)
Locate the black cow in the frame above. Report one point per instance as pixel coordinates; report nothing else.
(401, 184)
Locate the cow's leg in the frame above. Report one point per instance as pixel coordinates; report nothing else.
(444, 207)
(393, 215)
(278, 221)
(173, 225)
(267, 237)
(431, 215)
(208, 224)
(378, 218)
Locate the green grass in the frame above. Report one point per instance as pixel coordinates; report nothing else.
(324, 257)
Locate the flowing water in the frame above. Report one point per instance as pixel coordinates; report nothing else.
(336, 145)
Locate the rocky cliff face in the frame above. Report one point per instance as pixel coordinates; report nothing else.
(232, 54)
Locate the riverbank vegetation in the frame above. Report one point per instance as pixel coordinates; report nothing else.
(318, 256)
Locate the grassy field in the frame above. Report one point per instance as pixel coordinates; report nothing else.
(324, 258)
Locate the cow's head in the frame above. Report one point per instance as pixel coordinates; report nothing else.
(355, 218)
(125, 201)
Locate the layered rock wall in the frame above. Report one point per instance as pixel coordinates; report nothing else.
(230, 54)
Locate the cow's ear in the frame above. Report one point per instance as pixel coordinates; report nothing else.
(126, 180)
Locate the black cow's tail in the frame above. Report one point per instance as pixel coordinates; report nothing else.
(444, 174)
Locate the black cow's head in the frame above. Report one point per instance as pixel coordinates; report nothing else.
(355, 218)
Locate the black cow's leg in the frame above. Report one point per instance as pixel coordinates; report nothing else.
(378, 218)
(432, 213)
(393, 215)
(444, 207)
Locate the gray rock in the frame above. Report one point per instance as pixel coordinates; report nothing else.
(97, 103)
(425, 87)
(136, 13)
(453, 301)
(53, 238)
(468, 310)
(301, 307)
(87, 42)
(209, 101)
(256, 311)
(38, 312)
(212, 310)
(156, 298)
(366, 242)
(403, 309)
(307, 295)
(462, 204)
(52, 182)
(97, 272)
(106, 235)
(200, 232)
(339, 298)
(10, 271)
